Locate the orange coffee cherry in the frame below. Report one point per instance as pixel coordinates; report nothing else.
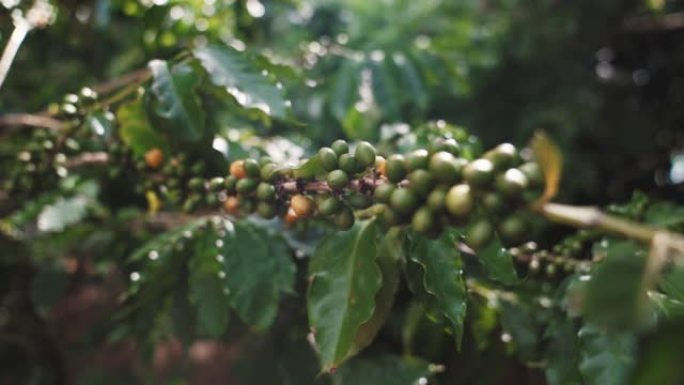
(291, 216)
(237, 169)
(232, 205)
(154, 158)
(302, 205)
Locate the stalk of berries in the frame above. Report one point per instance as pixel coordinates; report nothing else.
(427, 189)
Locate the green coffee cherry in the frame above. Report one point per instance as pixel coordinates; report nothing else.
(513, 229)
(512, 183)
(340, 147)
(383, 192)
(196, 184)
(480, 234)
(229, 184)
(246, 186)
(266, 192)
(459, 200)
(503, 156)
(337, 179)
(358, 200)
(421, 182)
(445, 168)
(252, 168)
(329, 206)
(197, 168)
(328, 158)
(365, 154)
(264, 160)
(216, 184)
(533, 173)
(403, 200)
(449, 145)
(479, 173)
(348, 164)
(344, 219)
(211, 199)
(416, 160)
(389, 217)
(493, 203)
(423, 221)
(266, 210)
(247, 205)
(395, 168)
(436, 200)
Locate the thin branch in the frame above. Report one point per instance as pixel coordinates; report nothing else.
(671, 21)
(21, 28)
(87, 159)
(114, 84)
(32, 120)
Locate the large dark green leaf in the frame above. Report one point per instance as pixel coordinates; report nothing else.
(614, 294)
(443, 278)
(385, 88)
(383, 370)
(175, 100)
(562, 353)
(258, 269)
(207, 292)
(135, 130)
(233, 71)
(345, 90)
(607, 358)
(344, 281)
(389, 253)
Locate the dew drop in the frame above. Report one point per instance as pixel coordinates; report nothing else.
(153, 255)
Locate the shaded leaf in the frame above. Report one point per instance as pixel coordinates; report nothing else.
(389, 254)
(136, 131)
(607, 358)
(383, 370)
(258, 269)
(443, 278)
(498, 263)
(344, 281)
(175, 100)
(562, 353)
(310, 169)
(614, 296)
(345, 90)
(234, 72)
(385, 89)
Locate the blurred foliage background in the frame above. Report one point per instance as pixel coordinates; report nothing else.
(604, 78)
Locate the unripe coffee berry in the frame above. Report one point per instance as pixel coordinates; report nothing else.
(252, 168)
(337, 179)
(403, 200)
(479, 173)
(421, 182)
(328, 158)
(417, 159)
(512, 183)
(266, 210)
(328, 206)
(480, 234)
(265, 192)
(423, 221)
(459, 200)
(395, 168)
(348, 164)
(344, 219)
(383, 192)
(340, 147)
(445, 168)
(246, 186)
(365, 154)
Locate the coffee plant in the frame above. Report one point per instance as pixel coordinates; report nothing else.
(214, 208)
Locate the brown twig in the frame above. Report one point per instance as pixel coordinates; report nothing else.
(129, 78)
(33, 120)
(87, 159)
(671, 21)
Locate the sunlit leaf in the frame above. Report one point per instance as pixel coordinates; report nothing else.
(344, 281)
(383, 370)
(136, 131)
(550, 159)
(607, 358)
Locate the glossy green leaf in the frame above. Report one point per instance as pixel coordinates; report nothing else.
(443, 279)
(310, 169)
(383, 370)
(234, 72)
(385, 89)
(665, 214)
(607, 358)
(207, 292)
(390, 252)
(175, 100)
(258, 270)
(614, 295)
(498, 263)
(519, 322)
(344, 280)
(345, 90)
(135, 129)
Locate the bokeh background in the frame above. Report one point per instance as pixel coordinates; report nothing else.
(605, 79)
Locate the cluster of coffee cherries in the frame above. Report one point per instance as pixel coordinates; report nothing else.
(427, 189)
(74, 104)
